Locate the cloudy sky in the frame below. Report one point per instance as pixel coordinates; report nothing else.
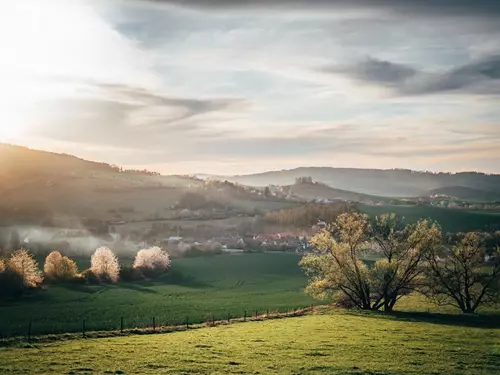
(228, 86)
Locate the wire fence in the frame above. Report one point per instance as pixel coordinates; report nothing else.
(87, 327)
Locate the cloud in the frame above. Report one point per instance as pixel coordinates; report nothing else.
(131, 117)
(479, 77)
(485, 8)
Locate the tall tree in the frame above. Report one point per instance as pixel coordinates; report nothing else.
(337, 269)
(403, 249)
(459, 276)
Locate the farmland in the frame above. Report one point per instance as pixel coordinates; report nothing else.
(337, 342)
(196, 288)
(451, 220)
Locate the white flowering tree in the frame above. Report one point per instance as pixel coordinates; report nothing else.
(152, 261)
(104, 264)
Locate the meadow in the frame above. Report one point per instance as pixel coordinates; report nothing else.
(451, 220)
(196, 288)
(336, 342)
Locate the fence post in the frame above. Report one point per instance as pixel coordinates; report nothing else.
(256, 313)
(121, 325)
(228, 317)
(245, 316)
(29, 332)
(154, 323)
(83, 328)
(267, 316)
(187, 322)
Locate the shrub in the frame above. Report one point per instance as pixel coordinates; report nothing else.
(152, 262)
(131, 274)
(58, 267)
(104, 265)
(89, 277)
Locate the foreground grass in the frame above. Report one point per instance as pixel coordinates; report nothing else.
(335, 343)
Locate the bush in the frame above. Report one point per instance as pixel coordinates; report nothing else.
(152, 262)
(58, 267)
(89, 277)
(11, 282)
(131, 274)
(104, 265)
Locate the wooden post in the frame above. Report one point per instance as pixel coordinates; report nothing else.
(256, 313)
(29, 332)
(187, 322)
(245, 316)
(83, 328)
(154, 324)
(121, 325)
(228, 317)
(267, 313)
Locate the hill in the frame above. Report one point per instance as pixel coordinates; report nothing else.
(311, 191)
(387, 183)
(38, 186)
(467, 194)
(332, 343)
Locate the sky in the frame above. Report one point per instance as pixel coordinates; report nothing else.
(236, 87)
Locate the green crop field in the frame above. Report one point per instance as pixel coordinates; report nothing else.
(197, 288)
(451, 220)
(333, 343)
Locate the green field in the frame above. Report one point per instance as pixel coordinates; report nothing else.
(332, 343)
(451, 220)
(196, 288)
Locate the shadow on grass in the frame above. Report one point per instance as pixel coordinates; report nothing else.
(463, 320)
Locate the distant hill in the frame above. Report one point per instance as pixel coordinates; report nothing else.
(467, 193)
(387, 183)
(313, 191)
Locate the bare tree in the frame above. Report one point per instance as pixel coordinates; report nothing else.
(403, 249)
(338, 270)
(459, 276)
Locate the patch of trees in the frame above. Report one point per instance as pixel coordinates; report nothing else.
(413, 257)
(20, 272)
(307, 215)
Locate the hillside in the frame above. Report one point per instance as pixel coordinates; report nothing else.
(387, 183)
(43, 187)
(333, 343)
(313, 191)
(467, 194)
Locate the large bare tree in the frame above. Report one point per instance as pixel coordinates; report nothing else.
(459, 275)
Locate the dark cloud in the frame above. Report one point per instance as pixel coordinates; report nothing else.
(479, 77)
(484, 8)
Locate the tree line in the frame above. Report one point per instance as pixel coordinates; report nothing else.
(306, 215)
(20, 272)
(412, 257)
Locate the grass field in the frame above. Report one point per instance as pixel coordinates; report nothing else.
(332, 343)
(451, 220)
(197, 288)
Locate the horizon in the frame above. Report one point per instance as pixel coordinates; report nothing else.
(207, 174)
(239, 88)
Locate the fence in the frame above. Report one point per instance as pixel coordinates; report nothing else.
(84, 326)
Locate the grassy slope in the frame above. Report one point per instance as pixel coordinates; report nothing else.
(197, 288)
(451, 220)
(336, 343)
